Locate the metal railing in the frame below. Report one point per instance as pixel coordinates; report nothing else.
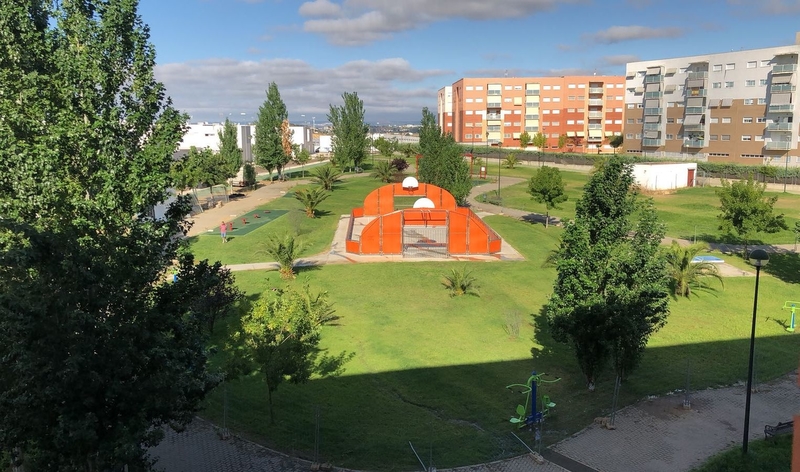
(784, 68)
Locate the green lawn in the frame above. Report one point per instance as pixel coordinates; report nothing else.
(762, 456)
(517, 196)
(432, 370)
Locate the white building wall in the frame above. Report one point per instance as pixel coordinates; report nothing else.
(325, 143)
(664, 176)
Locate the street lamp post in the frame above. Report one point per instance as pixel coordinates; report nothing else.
(499, 160)
(759, 259)
(786, 171)
(487, 148)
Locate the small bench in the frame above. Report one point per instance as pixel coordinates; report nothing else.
(780, 428)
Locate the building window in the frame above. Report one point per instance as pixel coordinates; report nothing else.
(716, 85)
(479, 87)
(759, 138)
(730, 66)
(638, 136)
(581, 85)
(726, 137)
(747, 137)
(764, 63)
(714, 137)
(546, 99)
(762, 101)
(546, 87)
(670, 104)
(750, 83)
(717, 67)
(670, 121)
(572, 86)
(545, 112)
(570, 110)
(556, 111)
(639, 105)
(508, 87)
(556, 87)
(670, 137)
(518, 87)
(679, 120)
(629, 121)
(468, 136)
(507, 135)
(517, 123)
(556, 123)
(580, 122)
(506, 123)
(619, 97)
(729, 84)
(580, 97)
(608, 122)
(620, 85)
(679, 104)
(713, 121)
(478, 100)
(570, 122)
(748, 101)
(629, 106)
(751, 64)
(571, 97)
(470, 88)
(726, 119)
(469, 100)
(629, 136)
(683, 70)
(747, 119)
(554, 135)
(761, 119)
(468, 124)
(639, 121)
(556, 99)
(507, 100)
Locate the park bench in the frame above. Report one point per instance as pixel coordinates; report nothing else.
(780, 428)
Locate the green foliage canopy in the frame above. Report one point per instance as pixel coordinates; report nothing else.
(350, 134)
(268, 148)
(442, 162)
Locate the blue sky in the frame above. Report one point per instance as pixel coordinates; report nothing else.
(217, 57)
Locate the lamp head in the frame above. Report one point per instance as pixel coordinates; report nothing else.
(759, 258)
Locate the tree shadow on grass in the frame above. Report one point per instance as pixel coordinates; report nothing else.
(785, 266)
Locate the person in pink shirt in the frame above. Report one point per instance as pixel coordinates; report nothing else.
(223, 230)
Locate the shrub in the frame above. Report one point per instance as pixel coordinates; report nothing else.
(400, 164)
(460, 282)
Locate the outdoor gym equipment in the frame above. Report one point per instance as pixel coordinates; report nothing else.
(791, 306)
(530, 388)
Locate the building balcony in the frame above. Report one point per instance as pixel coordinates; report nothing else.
(532, 93)
(694, 143)
(531, 117)
(595, 102)
(494, 116)
(658, 95)
(694, 127)
(779, 127)
(653, 79)
(697, 92)
(652, 142)
(494, 105)
(778, 145)
(653, 111)
(787, 108)
(784, 68)
(532, 104)
(595, 89)
(532, 129)
(695, 110)
(652, 126)
(595, 126)
(697, 75)
(782, 88)
(493, 128)
(494, 92)
(595, 114)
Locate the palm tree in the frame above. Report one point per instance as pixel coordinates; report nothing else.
(686, 274)
(384, 171)
(326, 176)
(460, 282)
(311, 198)
(285, 251)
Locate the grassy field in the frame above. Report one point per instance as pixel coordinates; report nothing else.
(762, 456)
(432, 370)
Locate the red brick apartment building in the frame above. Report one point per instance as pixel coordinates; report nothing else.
(588, 110)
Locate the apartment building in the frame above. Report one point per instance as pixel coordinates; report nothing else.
(586, 110)
(733, 107)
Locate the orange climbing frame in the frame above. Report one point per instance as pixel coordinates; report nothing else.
(466, 232)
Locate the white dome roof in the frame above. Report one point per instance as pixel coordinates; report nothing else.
(410, 182)
(424, 203)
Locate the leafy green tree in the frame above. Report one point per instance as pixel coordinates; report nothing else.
(525, 139)
(229, 150)
(350, 134)
(461, 282)
(301, 157)
(442, 162)
(562, 141)
(385, 146)
(268, 148)
(98, 350)
(685, 273)
(311, 198)
(610, 294)
(326, 176)
(384, 171)
(546, 186)
(616, 141)
(249, 173)
(409, 150)
(539, 141)
(210, 287)
(279, 340)
(746, 210)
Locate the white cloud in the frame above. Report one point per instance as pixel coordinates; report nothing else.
(211, 88)
(770, 7)
(356, 22)
(618, 60)
(618, 34)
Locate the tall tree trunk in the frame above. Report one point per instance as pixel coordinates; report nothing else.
(271, 411)
(546, 219)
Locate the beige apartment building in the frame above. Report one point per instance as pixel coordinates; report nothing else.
(733, 107)
(586, 110)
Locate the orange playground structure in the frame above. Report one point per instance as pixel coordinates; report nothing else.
(413, 219)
